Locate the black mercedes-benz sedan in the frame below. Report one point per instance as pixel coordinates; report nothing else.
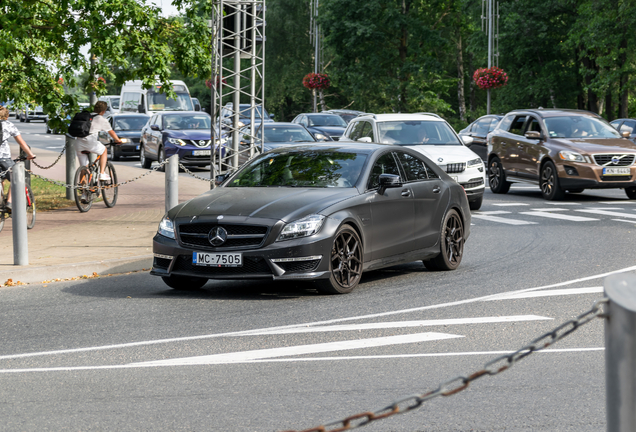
(321, 213)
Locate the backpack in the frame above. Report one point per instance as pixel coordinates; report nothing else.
(80, 126)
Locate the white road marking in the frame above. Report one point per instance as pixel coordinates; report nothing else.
(498, 219)
(548, 293)
(316, 323)
(509, 204)
(559, 216)
(402, 324)
(306, 359)
(495, 212)
(618, 201)
(549, 209)
(608, 213)
(242, 356)
(560, 203)
(623, 220)
(525, 187)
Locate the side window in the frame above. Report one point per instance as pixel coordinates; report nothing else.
(153, 120)
(130, 101)
(616, 124)
(367, 130)
(482, 126)
(493, 124)
(627, 126)
(356, 130)
(505, 123)
(414, 169)
(430, 172)
(517, 125)
(384, 165)
(533, 125)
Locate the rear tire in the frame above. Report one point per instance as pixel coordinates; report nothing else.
(630, 192)
(476, 204)
(451, 244)
(30, 208)
(82, 176)
(145, 162)
(549, 183)
(184, 282)
(497, 177)
(345, 263)
(110, 194)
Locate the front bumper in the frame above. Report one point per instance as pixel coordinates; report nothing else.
(574, 175)
(191, 155)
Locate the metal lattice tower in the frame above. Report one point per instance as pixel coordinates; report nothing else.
(238, 76)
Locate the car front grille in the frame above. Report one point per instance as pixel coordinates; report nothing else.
(251, 265)
(606, 159)
(455, 167)
(299, 266)
(198, 143)
(472, 183)
(196, 235)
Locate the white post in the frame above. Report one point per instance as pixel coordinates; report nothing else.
(19, 216)
(172, 182)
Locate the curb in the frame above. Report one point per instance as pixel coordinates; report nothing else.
(28, 274)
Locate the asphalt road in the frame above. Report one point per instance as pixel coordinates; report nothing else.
(128, 353)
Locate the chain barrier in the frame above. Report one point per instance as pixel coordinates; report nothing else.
(460, 383)
(56, 161)
(70, 186)
(187, 171)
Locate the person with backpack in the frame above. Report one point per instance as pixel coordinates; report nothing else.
(8, 129)
(85, 127)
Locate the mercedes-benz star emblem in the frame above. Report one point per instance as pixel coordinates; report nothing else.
(440, 160)
(217, 236)
(615, 160)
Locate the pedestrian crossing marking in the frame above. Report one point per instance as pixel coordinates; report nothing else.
(509, 204)
(563, 203)
(506, 221)
(608, 213)
(624, 220)
(559, 216)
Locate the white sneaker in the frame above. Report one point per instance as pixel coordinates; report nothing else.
(104, 177)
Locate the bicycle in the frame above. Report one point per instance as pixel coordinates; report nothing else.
(87, 185)
(30, 201)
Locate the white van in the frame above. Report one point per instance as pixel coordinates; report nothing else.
(150, 101)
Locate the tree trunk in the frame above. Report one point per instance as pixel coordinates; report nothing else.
(609, 108)
(322, 100)
(403, 51)
(592, 99)
(460, 82)
(623, 99)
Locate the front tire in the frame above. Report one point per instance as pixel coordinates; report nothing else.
(345, 263)
(145, 162)
(161, 158)
(184, 282)
(630, 192)
(497, 177)
(549, 183)
(112, 153)
(110, 193)
(451, 244)
(476, 204)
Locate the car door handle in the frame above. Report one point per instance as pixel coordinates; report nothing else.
(406, 193)
(503, 144)
(437, 189)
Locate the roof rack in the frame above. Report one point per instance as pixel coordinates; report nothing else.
(367, 114)
(431, 114)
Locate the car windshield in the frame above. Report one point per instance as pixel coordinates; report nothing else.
(114, 103)
(326, 120)
(160, 102)
(181, 121)
(130, 123)
(579, 127)
(246, 112)
(309, 168)
(416, 132)
(279, 134)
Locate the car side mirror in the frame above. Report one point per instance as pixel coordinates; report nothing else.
(141, 109)
(197, 107)
(625, 134)
(533, 135)
(467, 139)
(271, 116)
(364, 139)
(388, 181)
(154, 127)
(220, 178)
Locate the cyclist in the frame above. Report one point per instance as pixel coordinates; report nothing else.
(91, 143)
(8, 129)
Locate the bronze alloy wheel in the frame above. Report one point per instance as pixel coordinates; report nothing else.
(451, 244)
(549, 183)
(497, 177)
(346, 263)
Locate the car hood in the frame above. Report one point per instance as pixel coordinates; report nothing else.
(190, 134)
(328, 130)
(590, 145)
(277, 203)
(448, 153)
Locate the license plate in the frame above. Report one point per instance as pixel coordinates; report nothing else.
(137, 148)
(201, 152)
(454, 178)
(615, 171)
(217, 259)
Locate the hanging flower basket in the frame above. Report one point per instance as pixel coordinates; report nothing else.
(208, 82)
(490, 78)
(316, 81)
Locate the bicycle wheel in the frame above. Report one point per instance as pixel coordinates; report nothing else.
(30, 207)
(83, 198)
(110, 194)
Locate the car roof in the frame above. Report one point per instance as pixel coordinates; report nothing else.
(343, 111)
(274, 124)
(552, 112)
(402, 117)
(356, 147)
(319, 113)
(182, 112)
(129, 114)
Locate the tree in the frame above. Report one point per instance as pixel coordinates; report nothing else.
(42, 41)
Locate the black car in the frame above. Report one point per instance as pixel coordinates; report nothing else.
(278, 134)
(478, 132)
(323, 126)
(321, 213)
(346, 114)
(128, 128)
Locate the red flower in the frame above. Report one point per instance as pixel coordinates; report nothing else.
(316, 81)
(491, 78)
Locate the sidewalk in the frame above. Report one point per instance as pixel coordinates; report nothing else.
(66, 243)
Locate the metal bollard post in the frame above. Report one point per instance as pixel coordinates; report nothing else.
(71, 165)
(620, 353)
(172, 182)
(19, 216)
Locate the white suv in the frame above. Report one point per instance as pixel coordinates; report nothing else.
(430, 135)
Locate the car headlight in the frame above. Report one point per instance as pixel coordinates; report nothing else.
(178, 142)
(166, 227)
(241, 124)
(304, 227)
(320, 136)
(474, 162)
(571, 156)
(124, 140)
